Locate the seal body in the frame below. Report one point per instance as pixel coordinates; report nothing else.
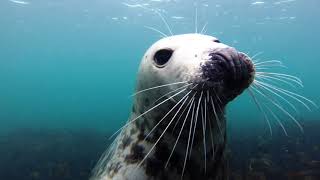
(177, 127)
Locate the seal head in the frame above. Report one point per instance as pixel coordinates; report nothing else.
(200, 60)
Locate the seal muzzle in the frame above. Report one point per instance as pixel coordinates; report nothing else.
(228, 68)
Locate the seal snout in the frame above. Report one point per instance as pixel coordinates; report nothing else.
(228, 68)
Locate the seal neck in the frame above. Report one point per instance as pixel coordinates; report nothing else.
(199, 136)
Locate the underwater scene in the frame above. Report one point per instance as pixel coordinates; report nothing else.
(69, 71)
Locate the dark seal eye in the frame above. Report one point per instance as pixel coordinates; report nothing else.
(217, 41)
(162, 57)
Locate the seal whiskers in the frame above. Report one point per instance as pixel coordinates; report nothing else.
(164, 131)
(204, 126)
(187, 150)
(152, 108)
(261, 109)
(185, 119)
(203, 30)
(260, 84)
(162, 19)
(281, 75)
(167, 94)
(288, 93)
(269, 86)
(177, 122)
(277, 119)
(178, 103)
(195, 122)
(216, 115)
(289, 82)
(280, 108)
(196, 18)
(156, 30)
(160, 86)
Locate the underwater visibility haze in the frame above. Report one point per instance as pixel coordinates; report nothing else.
(68, 69)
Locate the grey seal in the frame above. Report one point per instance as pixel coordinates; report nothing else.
(177, 127)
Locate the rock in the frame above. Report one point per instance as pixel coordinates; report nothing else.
(256, 176)
(305, 175)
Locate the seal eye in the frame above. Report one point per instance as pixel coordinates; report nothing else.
(217, 41)
(162, 57)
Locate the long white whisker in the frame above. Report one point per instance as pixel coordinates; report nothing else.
(216, 116)
(210, 127)
(170, 93)
(281, 108)
(204, 27)
(280, 75)
(184, 97)
(195, 123)
(290, 94)
(255, 60)
(164, 131)
(101, 164)
(203, 116)
(212, 144)
(174, 127)
(278, 95)
(261, 68)
(183, 124)
(156, 30)
(135, 119)
(270, 65)
(160, 86)
(278, 120)
(219, 99)
(161, 17)
(196, 19)
(257, 54)
(261, 109)
(187, 151)
(164, 21)
(205, 31)
(284, 80)
(268, 62)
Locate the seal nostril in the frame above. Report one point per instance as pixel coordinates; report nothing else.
(244, 73)
(221, 60)
(217, 57)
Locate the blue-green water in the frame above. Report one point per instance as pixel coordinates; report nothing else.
(72, 64)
